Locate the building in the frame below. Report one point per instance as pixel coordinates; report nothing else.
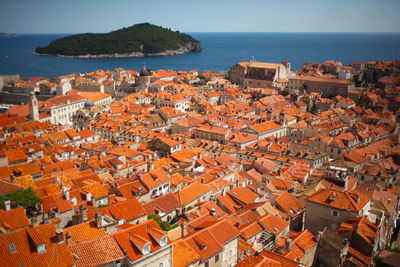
(238, 72)
(329, 207)
(145, 244)
(33, 107)
(266, 75)
(62, 108)
(323, 85)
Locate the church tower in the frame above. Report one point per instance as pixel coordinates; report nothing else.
(33, 107)
(282, 117)
(144, 76)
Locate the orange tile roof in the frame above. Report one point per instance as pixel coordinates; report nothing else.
(24, 241)
(300, 245)
(96, 252)
(273, 223)
(192, 192)
(129, 210)
(97, 190)
(25, 181)
(84, 231)
(321, 79)
(358, 258)
(265, 126)
(243, 194)
(362, 227)
(183, 254)
(61, 100)
(93, 96)
(351, 200)
(166, 203)
(7, 187)
(154, 178)
(123, 151)
(289, 204)
(249, 230)
(13, 219)
(140, 233)
(204, 244)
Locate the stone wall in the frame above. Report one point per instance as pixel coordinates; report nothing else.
(14, 98)
(4, 79)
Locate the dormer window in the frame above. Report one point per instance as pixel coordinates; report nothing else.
(163, 241)
(146, 249)
(142, 244)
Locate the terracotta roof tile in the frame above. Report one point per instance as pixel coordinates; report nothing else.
(96, 252)
(24, 240)
(351, 200)
(183, 254)
(192, 192)
(13, 219)
(84, 231)
(127, 244)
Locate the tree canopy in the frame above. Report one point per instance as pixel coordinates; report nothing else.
(145, 37)
(25, 198)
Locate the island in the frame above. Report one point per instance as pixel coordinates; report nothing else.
(2, 34)
(139, 40)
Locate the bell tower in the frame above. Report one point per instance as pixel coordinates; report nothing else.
(33, 107)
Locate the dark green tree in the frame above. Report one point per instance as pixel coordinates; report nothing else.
(25, 198)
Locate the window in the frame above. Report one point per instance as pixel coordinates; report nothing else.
(12, 247)
(146, 249)
(216, 258)
(206, 264)
(335, 213)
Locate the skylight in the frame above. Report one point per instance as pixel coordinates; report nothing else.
(12, 247)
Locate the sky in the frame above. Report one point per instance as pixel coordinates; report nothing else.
(79, 16)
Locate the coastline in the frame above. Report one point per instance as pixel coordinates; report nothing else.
(180, 51)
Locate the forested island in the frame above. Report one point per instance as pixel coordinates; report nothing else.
(139, 40)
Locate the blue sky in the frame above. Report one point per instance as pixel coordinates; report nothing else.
(76, 16)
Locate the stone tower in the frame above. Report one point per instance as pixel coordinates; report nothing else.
(33, 107)
(282, 117)
(144, 76)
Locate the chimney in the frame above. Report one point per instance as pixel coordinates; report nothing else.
(203, 181)
(346, 184)
(99, 219)
(12, 178)
(213, 212)
(46, 219)
(183, 229)
(7, 204)
(288, 244)
(59, 236)
(66, 193)
(74, 201)
(57, 181)
(34, 222)
(68, 237)
(83, 213)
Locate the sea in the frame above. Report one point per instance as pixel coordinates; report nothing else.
(220, 52)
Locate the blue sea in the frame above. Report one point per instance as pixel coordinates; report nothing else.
(220, 52)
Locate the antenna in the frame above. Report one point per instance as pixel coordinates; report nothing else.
(252, 59)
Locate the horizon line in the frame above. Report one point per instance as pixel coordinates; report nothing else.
(220, 32)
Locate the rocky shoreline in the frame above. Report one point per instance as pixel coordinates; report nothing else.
(180, 51)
